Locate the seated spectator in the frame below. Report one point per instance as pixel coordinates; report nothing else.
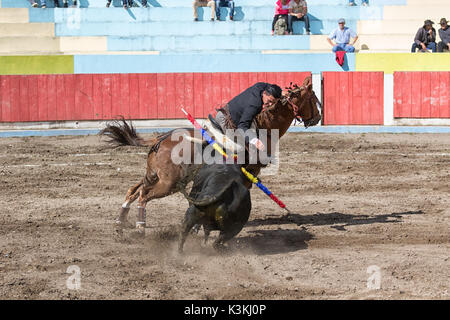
(65, 4)
(44, 4)
(298, 10)
(425, 38)
(281, 11)
(125, 6)
(204, 3)
(444, 34)
(224, 3)
(342, 37)
(363, 2)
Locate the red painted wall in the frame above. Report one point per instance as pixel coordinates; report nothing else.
(352, 98)
(422, 95)
(135, 96)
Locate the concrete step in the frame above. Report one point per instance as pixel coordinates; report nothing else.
(29, 44)
(409, 27)
(83, 44)
(385, 42)
(416, 12)
(188, 3)
(51, 45)
(199, 43)
(14, 15)
(27, 29)
(429, 2)
(189, 28)
(136, 15)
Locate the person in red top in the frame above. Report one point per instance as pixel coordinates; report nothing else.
(281, 9)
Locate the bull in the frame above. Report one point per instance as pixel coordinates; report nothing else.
(218, 200)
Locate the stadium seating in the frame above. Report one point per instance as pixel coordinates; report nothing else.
(167, 28)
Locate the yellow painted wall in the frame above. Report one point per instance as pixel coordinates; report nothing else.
(36, 65)
(390, 62)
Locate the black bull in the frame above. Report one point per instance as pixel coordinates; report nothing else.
(218, 200)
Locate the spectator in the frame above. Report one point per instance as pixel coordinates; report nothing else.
(298, 10)
(444, 34)
(224, 3)
(65, 4)
(425, 38)
(44, 4)
(125, 6)
(363, 2)
(204, 3)
(281, 10)
(342, 37)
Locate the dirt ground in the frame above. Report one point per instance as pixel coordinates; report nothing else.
(359, 200)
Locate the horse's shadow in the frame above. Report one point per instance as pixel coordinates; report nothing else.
(335, 220)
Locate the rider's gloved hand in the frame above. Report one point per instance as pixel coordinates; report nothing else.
(258, 144)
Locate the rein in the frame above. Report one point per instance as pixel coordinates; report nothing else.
(295, 108)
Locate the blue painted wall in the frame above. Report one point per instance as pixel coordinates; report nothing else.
(315, 63)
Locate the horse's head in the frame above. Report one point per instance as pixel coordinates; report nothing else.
(306, 106)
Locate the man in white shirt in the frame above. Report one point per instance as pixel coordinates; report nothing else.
(342, 37)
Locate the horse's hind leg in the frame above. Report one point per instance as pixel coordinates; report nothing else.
(159, 190)
(132, 195)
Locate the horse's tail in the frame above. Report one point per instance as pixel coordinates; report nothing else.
(120, 133)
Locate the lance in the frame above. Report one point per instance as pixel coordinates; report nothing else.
(219, 149)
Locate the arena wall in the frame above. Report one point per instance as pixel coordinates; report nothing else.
(57, 59)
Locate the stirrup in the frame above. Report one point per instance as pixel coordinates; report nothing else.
(215, 123)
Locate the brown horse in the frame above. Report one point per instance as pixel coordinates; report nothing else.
(163, 177)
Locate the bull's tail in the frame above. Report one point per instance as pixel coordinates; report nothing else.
(207, 200)
(120, 133)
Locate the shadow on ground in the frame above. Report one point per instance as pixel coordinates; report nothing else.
(336, 220)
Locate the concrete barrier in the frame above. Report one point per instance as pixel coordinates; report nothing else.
(20, 65)
(390, 62)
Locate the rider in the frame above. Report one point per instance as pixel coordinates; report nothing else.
(243, 108)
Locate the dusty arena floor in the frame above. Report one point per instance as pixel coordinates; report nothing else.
(359, 200)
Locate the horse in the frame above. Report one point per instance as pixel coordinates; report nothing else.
(163, 177)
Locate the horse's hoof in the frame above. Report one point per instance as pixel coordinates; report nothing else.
(139, 232)
(125, 224)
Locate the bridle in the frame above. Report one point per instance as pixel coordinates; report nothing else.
(310, 98)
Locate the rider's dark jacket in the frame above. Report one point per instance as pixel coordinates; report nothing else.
(245, 106)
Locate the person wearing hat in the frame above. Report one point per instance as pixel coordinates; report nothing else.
(444, 34)
(342, 37)
(425, 38)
